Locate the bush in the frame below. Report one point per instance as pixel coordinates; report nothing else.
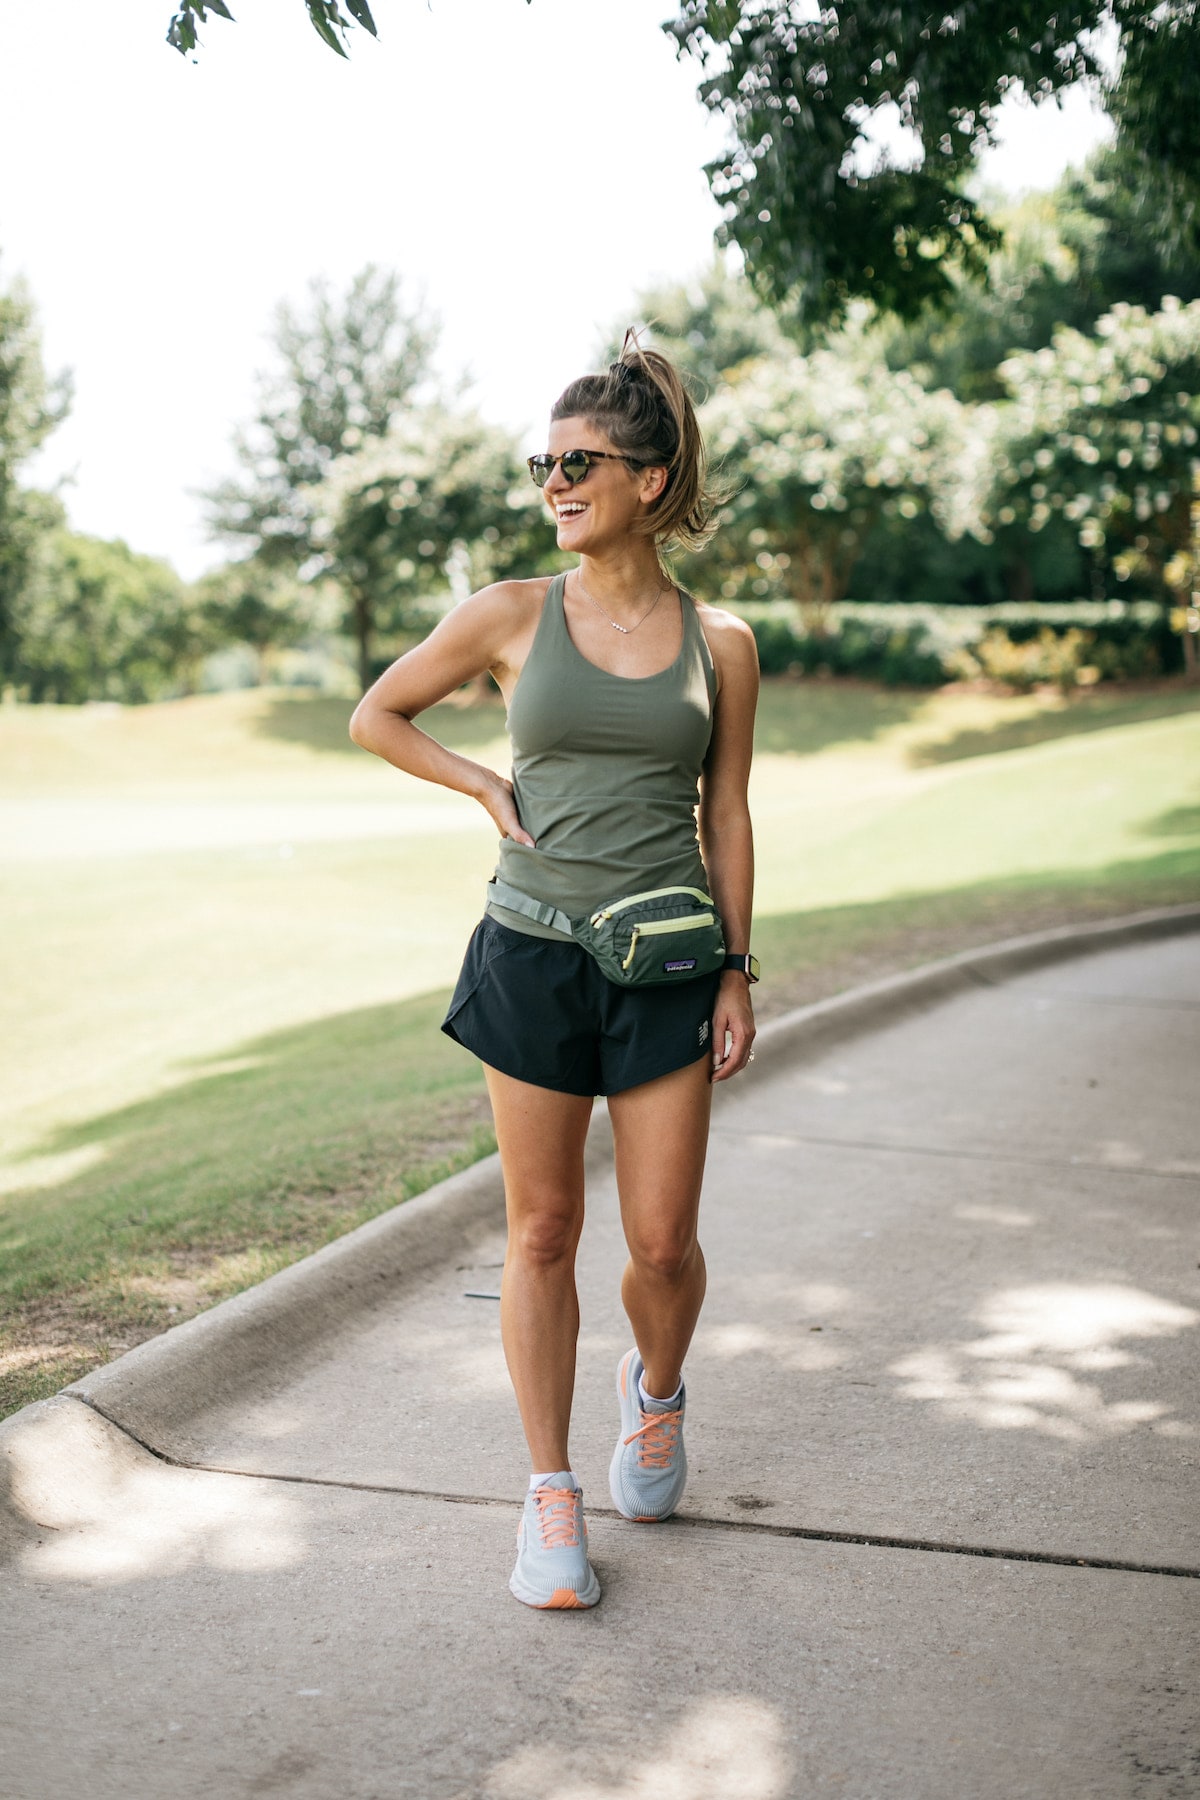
(1029, 662)
(897, 657)
(916, 645)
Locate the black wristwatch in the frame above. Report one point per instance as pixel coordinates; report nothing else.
(748, 965)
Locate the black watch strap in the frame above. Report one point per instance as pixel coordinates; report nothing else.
(748, 965)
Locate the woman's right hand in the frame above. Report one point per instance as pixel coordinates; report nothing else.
(499, 802)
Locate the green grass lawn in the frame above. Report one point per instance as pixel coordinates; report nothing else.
(218, 1055)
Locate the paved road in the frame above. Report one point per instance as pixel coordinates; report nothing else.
(941, 1539)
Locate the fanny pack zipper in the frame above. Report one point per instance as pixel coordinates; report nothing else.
(657, 927)
(610, 912)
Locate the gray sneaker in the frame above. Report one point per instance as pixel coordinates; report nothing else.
(552, 1567)
(649, 1467)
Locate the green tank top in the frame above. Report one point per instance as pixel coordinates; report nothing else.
(606, 772)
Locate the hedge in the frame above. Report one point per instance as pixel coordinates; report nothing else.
(911, 644)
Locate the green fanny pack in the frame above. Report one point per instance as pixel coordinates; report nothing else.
(645, 940)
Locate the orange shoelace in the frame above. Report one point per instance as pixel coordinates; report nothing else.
(559, 1514)
(658, 1432)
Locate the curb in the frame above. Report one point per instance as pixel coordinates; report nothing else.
(155, 1392)
(160, 1387)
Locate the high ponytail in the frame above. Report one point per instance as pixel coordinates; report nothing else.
(644, 409)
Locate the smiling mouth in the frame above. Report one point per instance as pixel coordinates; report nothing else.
(573, 509)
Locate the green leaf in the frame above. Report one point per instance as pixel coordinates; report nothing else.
(319, 15)
(362, 13)
(181, 32)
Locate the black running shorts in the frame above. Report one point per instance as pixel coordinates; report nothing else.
(541, 1011)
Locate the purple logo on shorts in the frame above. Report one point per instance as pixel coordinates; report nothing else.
(680, 966)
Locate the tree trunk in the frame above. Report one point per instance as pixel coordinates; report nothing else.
(1191, 663)
(810, 581)
(362, 631)
(1020, 581)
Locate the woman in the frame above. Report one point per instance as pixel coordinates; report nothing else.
(626, 700)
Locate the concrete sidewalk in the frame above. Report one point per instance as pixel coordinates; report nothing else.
(941, 1539)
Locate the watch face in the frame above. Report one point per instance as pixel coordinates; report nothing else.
(752, 967)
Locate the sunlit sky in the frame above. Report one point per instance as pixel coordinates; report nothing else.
(527, 168)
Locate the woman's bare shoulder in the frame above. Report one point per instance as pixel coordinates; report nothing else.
(496, 625)
(496, 621)
(726, 635)
(514, 600)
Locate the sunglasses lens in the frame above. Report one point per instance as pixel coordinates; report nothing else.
(575, 465)
(539, 468)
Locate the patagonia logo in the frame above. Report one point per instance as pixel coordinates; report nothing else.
(679, 965)
(704, 1033)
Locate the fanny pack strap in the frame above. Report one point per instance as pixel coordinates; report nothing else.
(540, 911)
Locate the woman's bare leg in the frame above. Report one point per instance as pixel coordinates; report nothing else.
(660, 1133)
(541, 1135)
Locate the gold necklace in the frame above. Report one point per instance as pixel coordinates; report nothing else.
(625, 630)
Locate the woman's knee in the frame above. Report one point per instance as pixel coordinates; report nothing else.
(544, 1235)
(665, 1256)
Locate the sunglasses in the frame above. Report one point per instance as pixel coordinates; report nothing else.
(575, 464)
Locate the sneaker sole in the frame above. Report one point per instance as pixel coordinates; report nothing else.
(561, 1600)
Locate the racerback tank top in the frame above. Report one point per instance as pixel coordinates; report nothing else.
(605, 771)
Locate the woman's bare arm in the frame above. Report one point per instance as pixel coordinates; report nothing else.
(480, 635)
(726, 836)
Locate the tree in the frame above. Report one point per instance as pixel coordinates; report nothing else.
(31, 405)
(1066, 258)
(1102, 220)
(345, 370)
(719, 330)
(1103, 432)
(1154, 104)
(441, 505)
(823, 212)
(708, 326)
(823, 448)
(265, 608)
(94, 621)
(1029, 285)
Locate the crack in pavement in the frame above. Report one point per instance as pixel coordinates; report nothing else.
(869, 1540)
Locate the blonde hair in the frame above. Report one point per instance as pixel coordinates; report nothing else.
(641, 405)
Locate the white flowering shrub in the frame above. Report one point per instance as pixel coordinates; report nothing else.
(818, 449)
(1104, 431)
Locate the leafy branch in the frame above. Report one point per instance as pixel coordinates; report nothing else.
(328, 20)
